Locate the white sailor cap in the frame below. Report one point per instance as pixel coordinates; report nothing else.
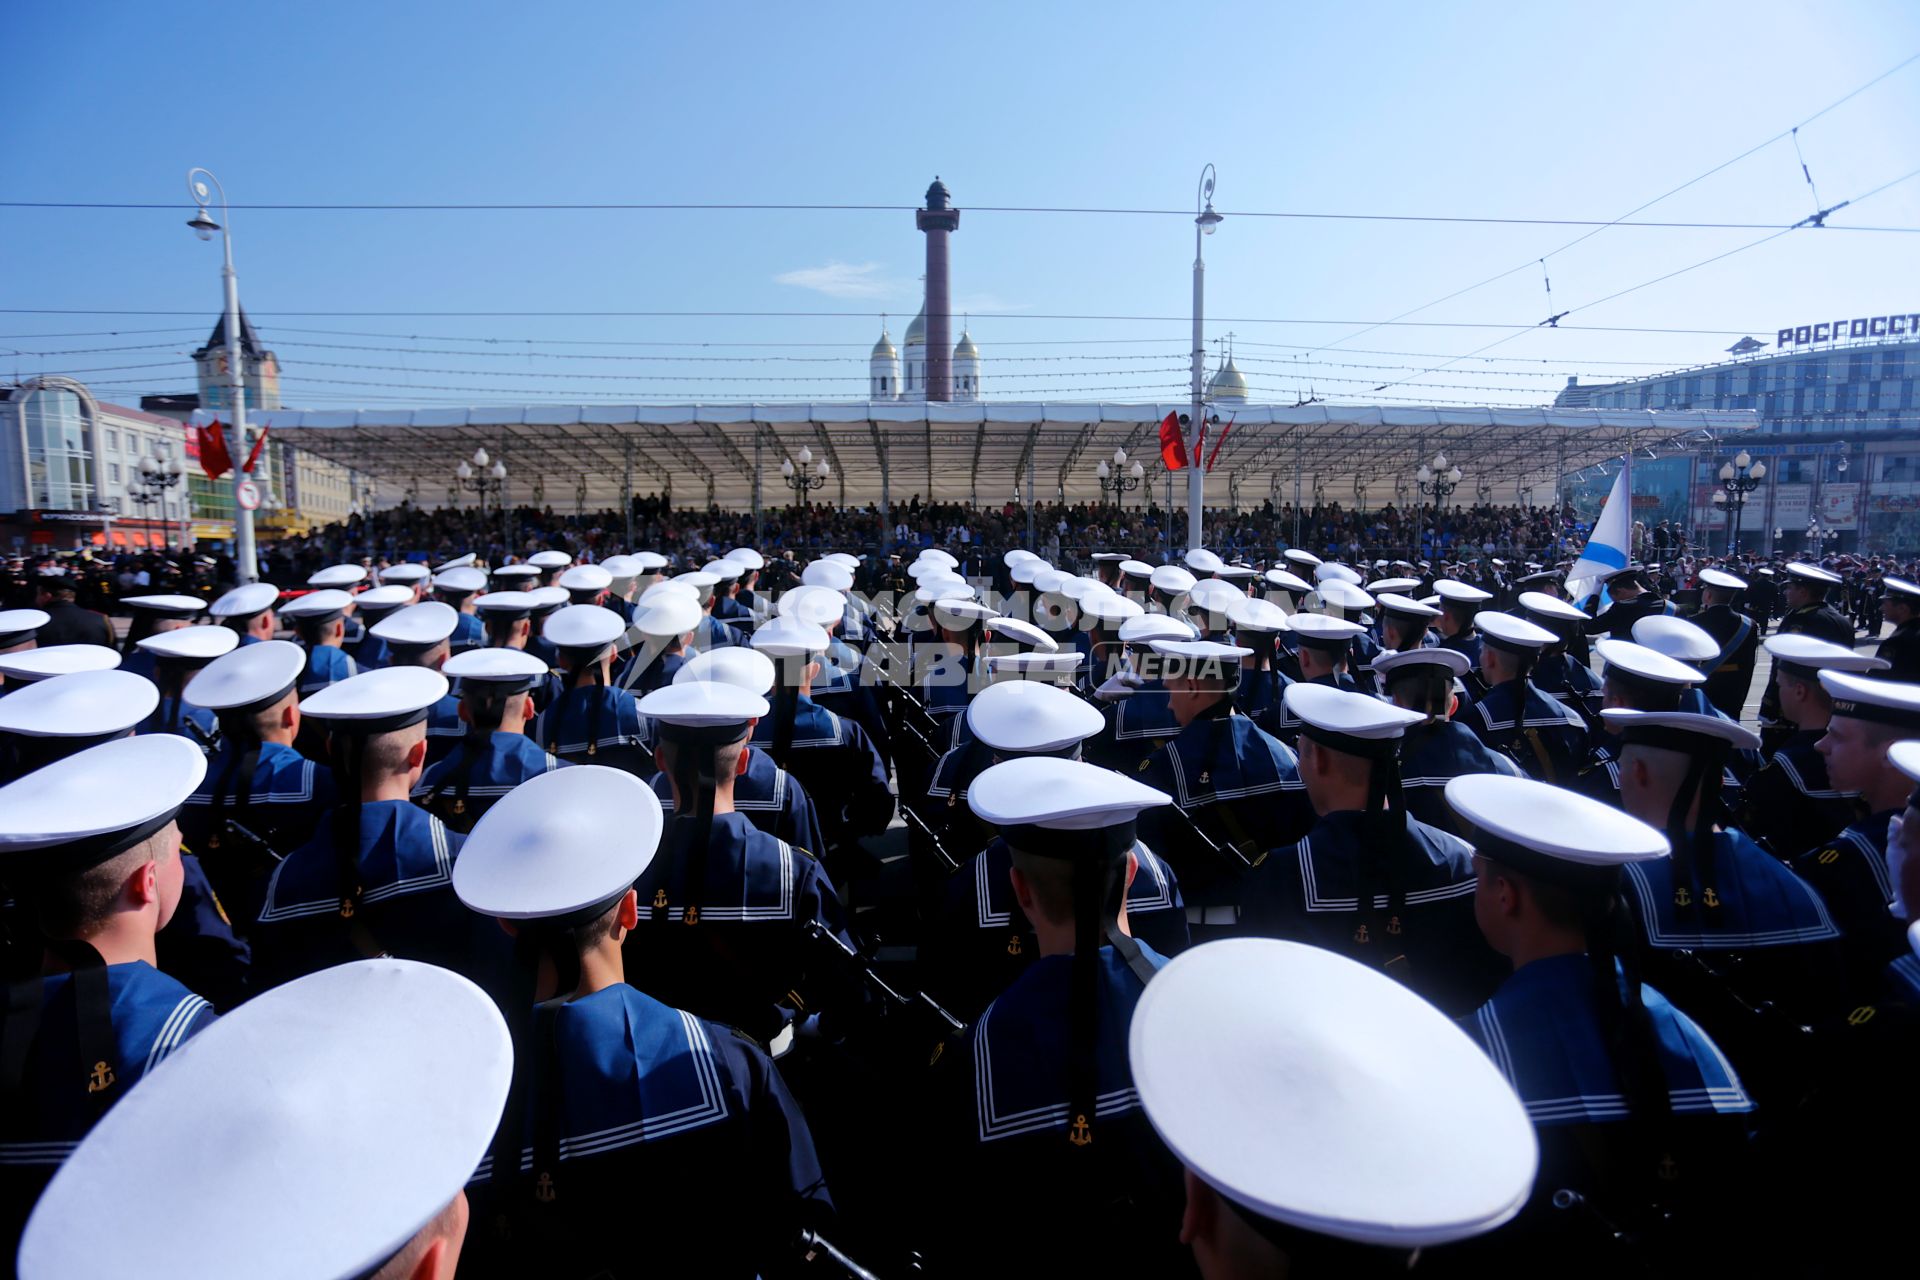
(1335, 572)
(1299, 556)
(1406, 606)
(790, 638)
(1200, 653)
(620, 568)
(1022, 572)
(957, 614)
(1080, 587)
(1172, 579)
(1214, 595)
(1891, 702)
(1318, 631)
(846, 558)
(671, 587)
(1515, 635)
(1338, 593)
(376, 600)
(461, 581)
(1342, 713)
(1803, 657)
(1022, 632)
(827, 573)
(1672, 728)
(317, 606)
(1286, 581)
(1905, 756)
(1548, 824)
(505, 604)
(1548, 610)
(583, 626)
(1110, 608)
(338, 575)
(1261, 617)
(751, 559)
(1679, 639)
(170, 606)
(649, 561)
(1413, 661)
(1460, 593)
(700, 579)
(1028, 716)
(1018, 554)
(57, 660)
(391, 1056)
(418, 625)
(244, 602)
(732, 664)
(1812, 573)
(549, 559)
(1051, 579)
(392, 697)
(586, 577)
(1237, 572)
(724, 569)
(1099, 557)
(1035, 664)
(822, 606)
(251, 676)
(1396, 586)
(408, 572)
(193, 646)
(935, 589)
(565, 845)
(1722, 579)
(546, 599)
(1058, 795)
(1136, 568)
(1269, 1068)
(1909, 591)
(458, 562)
(1649, 666)
(671, 614)
(17, 626)
(703, 704)
(1145, 628)
(86, 704)
(1201, 560)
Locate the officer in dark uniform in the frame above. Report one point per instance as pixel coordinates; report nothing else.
(1807, 613)
(1730, 678)
(496, 688)
(67, 622)
(1789, 804)
(612, 1088)
(1900, 605)
(1368, 881)
(1633, 598)
(1558, 673)
(1438, 748)
(98, 880)
(1548, 738)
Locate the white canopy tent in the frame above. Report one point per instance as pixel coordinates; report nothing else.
(981, 452)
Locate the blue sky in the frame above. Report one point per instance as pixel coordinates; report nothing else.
(1511, 110)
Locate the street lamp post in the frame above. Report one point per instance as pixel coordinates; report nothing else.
(798, 479)
(202, 186)
(1204, 222)
(482, 479)
(1437, 482)
(1119, 478)
(1738, 479)
(157, 476)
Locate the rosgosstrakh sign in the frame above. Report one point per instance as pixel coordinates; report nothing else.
(1895, 325)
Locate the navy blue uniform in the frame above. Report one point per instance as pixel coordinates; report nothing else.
(173, 715)
(445, 728)
(1421, 929)
(475, 774)
(714, 634)
(1789, 804)
(770, 798)
(1546, 737)
(842, 773)
(1432, 754)
(656, 674)
(281, 803)
(1851, 876)
(326, 664)
(1135, 726)
(1467, 642)
(1261, 697)
(1569, 682)
(597, 724)
(468, 633)
(372, 652)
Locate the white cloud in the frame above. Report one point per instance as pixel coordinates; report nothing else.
(841, 280)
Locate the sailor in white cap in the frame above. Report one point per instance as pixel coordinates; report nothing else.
(1369, 881)
(622, 573)
(1589, 1048)
(508, 619)
(1546, 736)
(1106, 567)
(1764, 932)
(1851, 871)
(514, 577)
(1900, 606)
(319, 618)
(592, 721)
(20, 630)
(771, 798)
(1438, 748)
(1139, 716)
(1685, 642)
(1304, 561)
(1258, 626)
(712, 633)
(496, 688)
(751, 563)
(459, 587)
(1044, 1111)
(587, 583)
(1635, 678)
(1730, 678)
(376, 878)
(1208, 605)
(1237, 787)
(1268, 1067)
(1405, 623)
(606, 1075)
(406, 1061)
(543, 603)
(550, 564)
(64, 714)
(831, 755)
(421, 635)
(1804, 589)
(725, 909)
(1562, 670)
(370, 652)
(409, 573)
(341, 577)
(151, 615)
(664, 623)
(727, 605)
(249, 610)
(260, 797)
(177, 656)
(89, 846)
(1323, 649)
(843, 686)
(1170, 583)
(1459, 604)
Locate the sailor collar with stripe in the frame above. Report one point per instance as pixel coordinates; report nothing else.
(403, 850)
(813, 726)
(1327, 869)
(1746, 880)
(1265, 767)
(1533, 710)
(736, 851)
(281, 776)
(994, 905)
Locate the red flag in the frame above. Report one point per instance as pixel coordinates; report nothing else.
(214, 458)
(1217, 443)
(1173, 450)
(253, 454)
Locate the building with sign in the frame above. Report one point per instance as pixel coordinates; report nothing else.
(1839, 431)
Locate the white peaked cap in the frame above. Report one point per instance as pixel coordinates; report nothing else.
(117, 786)
(192, 644)
(1064, 795)
(1027, 716)
(1553, 821)
(338, 575)
(250, 675)
(731, 664)
(86, 704)
(423, 624)
(559, 843)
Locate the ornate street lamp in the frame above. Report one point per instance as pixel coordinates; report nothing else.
(797, 478)
(1119, 478)
(1738, 479)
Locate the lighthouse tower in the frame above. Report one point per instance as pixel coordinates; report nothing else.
(938, 220)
